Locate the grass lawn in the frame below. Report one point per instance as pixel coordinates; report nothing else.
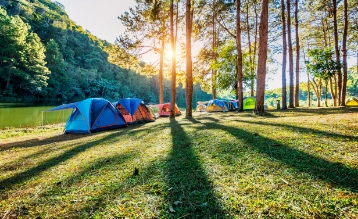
(300, 163)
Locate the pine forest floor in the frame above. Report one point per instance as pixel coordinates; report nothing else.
(300, 163)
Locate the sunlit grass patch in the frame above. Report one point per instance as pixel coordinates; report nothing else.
(289, 164)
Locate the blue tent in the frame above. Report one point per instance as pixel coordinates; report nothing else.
(91, 115)
(217, 106)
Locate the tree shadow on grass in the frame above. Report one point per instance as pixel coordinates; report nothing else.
(25, 175)
(305, 130)
(336, 174)
(190, 193)
(36, 142)
(63, 187)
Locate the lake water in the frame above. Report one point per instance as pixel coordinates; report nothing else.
(29, 115)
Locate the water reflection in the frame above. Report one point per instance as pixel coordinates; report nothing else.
(30, 115)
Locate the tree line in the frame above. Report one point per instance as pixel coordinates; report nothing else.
(45, 55)
(240, 37)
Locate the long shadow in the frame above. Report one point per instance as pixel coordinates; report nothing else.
(23, 176)
(336, 174)
(190, 191)
(65, 186)
(303, 129)
(35, 142)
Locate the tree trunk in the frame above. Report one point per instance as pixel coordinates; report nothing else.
(332, 91)
(326, 44)
(345, 71)
(161, 92)
(214, 72)
(284, 55)
(239, 56)
(261, 66)
(337, 51)
(326, 93)
(308, 83)
(172, 41)
(189, 67)
(297, 91)
(309, 91)
(290, 55)
(256, 31)
(252, 70)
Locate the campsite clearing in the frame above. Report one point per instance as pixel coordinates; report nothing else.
(298, 163)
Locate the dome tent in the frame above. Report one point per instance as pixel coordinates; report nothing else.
(217, 106)
(352, 102)
(91, 115)
(249, 103)
(134, 110)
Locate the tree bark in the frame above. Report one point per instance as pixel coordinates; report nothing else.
(261, 66)
(172, 41)
(290, 55)
(252, 70)
(189, 67)
(337, 51)
(239, 56)
(345, 71)
(214, 72)
(284, 56)
(161, 90)
(297, 91)
(326, 44)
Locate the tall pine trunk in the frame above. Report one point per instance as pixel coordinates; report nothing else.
(252, 70)
(345, 71)
(214, 72)
(161, 90)
(297, 91)
(189, 67)
(337, 51)
(239, 56)
(261, 66)
(290, 55)
(284, 55)
(172, 42)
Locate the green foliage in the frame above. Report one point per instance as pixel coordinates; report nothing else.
(22, 67)
(322, 64)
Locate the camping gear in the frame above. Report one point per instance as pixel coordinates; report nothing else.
(217, 106)
(164, 109)
(91, 115)
(134, 110)
(201, 106)
(249, 103)
(352, 102)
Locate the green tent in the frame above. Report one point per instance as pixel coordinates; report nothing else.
(249, 103)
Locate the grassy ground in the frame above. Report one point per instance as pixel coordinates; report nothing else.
(299, 163)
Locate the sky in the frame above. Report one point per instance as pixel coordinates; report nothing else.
(98, 16)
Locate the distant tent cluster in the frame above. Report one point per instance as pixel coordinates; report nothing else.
(224, 105)
(97, 114)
